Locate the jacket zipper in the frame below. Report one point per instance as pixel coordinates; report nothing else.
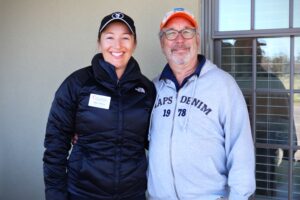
(119, 140)
(172, 169)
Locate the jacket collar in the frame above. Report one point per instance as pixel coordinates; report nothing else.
(105, 73)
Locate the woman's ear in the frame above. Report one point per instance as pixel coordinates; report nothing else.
(98, 46)
(135, 44)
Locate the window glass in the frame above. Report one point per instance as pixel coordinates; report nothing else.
(271, 14)
(271, 173)
(297, 63)
(237, 60)
(296, 141)
(272, 118)
(297, 120)
(234, 15)
(296, 180)
(273, 65)
(296, 13)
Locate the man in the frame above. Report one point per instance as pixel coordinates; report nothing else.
(200, 138)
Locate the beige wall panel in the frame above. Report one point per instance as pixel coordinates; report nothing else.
(41, 43)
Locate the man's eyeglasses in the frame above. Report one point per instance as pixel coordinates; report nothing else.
(172, 34)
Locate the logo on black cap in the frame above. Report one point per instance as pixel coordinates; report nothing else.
(117, 15)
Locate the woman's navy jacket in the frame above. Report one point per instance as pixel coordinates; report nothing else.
(111, 118)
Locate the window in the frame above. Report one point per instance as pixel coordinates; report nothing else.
(296, 13)
(233, 12)
(277, 17)
(258, 43)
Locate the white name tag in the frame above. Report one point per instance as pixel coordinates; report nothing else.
(99, 101)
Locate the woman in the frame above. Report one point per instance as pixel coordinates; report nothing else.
(108, 106)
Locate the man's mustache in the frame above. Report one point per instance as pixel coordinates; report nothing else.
(179, 46)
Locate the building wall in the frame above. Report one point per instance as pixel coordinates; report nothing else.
(41, 43)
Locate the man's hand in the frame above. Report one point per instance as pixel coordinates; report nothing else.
(297, 155)
(75, 139)
(279, 156)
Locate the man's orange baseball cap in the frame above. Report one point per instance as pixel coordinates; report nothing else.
(178, 12)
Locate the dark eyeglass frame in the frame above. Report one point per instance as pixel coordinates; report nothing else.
(191, 31)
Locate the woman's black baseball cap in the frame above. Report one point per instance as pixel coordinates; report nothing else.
(118, 16)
